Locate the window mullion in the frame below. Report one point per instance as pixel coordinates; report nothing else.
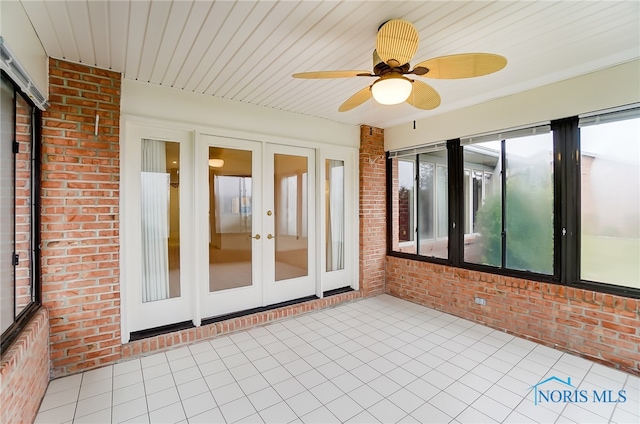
(416, 205)
(503, 181)
(15, 149)
(455, 164)
(35, 210)
(566, 138)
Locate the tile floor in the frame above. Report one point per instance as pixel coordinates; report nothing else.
(376, 360)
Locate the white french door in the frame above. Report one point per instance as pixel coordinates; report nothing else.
(289, 221)
(230, 232)
(257, 247)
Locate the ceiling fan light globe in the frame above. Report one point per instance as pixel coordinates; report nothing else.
(392, 90)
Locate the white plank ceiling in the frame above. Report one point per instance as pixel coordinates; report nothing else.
(246, 51)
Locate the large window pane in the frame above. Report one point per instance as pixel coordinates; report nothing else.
(483, 203)
(610, 203)
(403, 204)
(420, 204)
(522, 220)
(426, 193)
(442, 203)
(432, 207)
(18, 255)
(529, 203)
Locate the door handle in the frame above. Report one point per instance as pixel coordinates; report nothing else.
(269, 236)
(257, 236)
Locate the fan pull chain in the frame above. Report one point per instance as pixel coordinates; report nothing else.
(413, 93)
(370, 113)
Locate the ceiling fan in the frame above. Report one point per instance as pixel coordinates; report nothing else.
(396, 43)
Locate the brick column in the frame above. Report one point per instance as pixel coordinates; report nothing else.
(80, 224)
(373, 219)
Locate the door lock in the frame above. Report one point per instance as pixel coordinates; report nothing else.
(269, 213)
(257, 236)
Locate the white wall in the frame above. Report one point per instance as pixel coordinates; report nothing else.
(611, 87)
(227, 116)
(18, 34)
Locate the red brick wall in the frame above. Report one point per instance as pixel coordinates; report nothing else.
(373, 219)
(23, 200)
(24, 372)
(80, 191)
(601, 327)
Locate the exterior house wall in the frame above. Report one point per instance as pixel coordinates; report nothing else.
(80, 217)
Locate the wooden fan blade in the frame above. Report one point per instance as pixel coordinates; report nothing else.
(356, 100)
(466, 65)
(397, 40)
(330, 74)
(423, 96)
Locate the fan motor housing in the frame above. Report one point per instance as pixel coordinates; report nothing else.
(382, 68)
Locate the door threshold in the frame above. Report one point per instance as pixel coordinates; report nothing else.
(165, 329)
(157, 331)
(334, 292)
(246, 312)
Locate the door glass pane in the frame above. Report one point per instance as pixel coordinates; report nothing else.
(334, 170)
(230, 218)
(291, 242)
(160, 194)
